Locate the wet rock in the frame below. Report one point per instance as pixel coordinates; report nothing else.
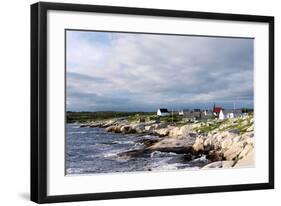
(187, 157)
(126, 129)
(177, 150)
(108, 123)
(176, 145)
(214, 156)
(162, 132)
(208, 148)
(134, 153)
(148, 142)
(139, 128)
(114, 128)
(96, 124)
(110, 129)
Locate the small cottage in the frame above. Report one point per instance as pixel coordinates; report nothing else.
(184, 112)
(233, 113)
(221, 115)
(162, 112)
(217, 110)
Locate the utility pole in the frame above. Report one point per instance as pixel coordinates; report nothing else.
(172, 115)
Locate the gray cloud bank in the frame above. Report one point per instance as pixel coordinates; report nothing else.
(141, 72)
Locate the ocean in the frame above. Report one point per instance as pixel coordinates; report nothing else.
(93, 150)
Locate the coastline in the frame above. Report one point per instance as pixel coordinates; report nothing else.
(225, 143)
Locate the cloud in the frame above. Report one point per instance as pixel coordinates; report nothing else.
(123, 71)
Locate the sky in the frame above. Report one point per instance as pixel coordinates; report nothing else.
(110, 71)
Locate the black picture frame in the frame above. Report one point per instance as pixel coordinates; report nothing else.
(39, 101)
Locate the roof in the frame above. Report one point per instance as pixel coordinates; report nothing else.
(164, 110)
(217, 109)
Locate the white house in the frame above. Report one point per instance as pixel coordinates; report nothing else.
(221, 115)
(233, 113)
(184, 112)
(162, 112)
(230, 115)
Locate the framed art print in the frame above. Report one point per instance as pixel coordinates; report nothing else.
(134, 102)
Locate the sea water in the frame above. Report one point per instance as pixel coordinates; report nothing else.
(93, 150)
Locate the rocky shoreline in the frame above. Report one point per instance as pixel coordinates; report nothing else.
(226, 144)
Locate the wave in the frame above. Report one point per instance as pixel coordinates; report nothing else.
(113, 155)
(123, 142)
(74, 171)
(201, 159)
(162, 154)
(80, 132)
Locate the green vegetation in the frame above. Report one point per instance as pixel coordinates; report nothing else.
(209, 126)
(83, 117)
(239, 124)
(145, 117)
(140, 117)
(175, 118)
(102, 115)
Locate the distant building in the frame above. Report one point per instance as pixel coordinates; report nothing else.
(233, 113)
(184, 112)
(163, 112)
(194, 114)
(230, 115)
(216, 110)
(221, 115)
(190, 114)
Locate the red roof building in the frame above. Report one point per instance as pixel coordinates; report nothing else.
(217, 110)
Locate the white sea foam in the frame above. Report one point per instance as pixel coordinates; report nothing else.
(110, 154)
(80, 132)
(123, 142)
(162, 154)
(200, 159)
(74, 171)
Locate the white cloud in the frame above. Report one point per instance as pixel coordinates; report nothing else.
(154, 70)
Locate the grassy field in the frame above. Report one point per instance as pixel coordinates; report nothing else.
(239, 124)
(206, 125)
(130, 116)
(103, 115)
